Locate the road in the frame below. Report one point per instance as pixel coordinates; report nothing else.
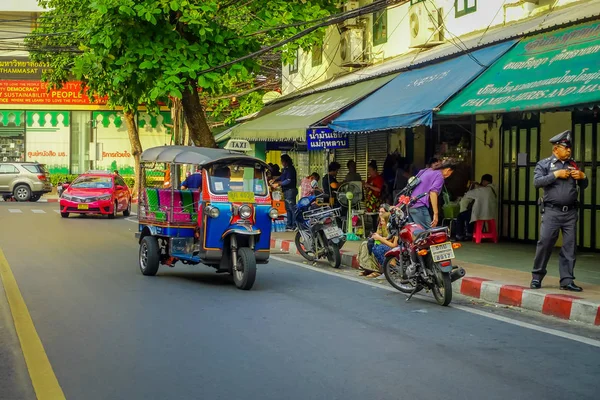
(111, 333)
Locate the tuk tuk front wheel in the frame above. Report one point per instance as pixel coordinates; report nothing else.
(244, 273)
(149, 256)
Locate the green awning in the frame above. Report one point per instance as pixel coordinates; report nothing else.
(552, 70)
(290, 122)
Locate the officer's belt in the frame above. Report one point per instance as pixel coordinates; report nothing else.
(562, 208)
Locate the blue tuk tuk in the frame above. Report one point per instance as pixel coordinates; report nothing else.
(225, 223)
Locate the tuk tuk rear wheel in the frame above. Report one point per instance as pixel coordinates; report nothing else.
(149, 256)
(245, 272)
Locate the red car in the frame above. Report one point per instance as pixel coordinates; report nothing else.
(96, 193)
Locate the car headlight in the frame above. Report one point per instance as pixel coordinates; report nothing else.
(66, 196)
(107, 197)
(212, 212)
(245, 211)
(273, 213)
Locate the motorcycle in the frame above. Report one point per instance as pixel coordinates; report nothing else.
(318, 232)
(423, 258)
(60, 188)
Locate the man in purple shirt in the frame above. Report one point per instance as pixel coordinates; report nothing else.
(432, 182)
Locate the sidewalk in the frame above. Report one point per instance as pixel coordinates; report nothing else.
(505, 277)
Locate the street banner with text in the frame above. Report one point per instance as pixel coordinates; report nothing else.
(547, 71)
(36, 92)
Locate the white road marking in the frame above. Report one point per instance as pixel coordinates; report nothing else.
(57, 211)
(38, 211)
(15, 211)
(549, 331)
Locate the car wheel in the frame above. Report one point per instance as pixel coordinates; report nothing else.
(127, 212)
(114, 213)
(64, 214)
(35, 197)
(22, 193)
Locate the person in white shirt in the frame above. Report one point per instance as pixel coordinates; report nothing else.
(479, 203)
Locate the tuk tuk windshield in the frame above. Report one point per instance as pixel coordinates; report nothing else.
(237, 177)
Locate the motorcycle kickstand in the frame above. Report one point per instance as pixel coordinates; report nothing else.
(412, 293)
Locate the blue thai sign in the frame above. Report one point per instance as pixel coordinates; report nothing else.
(325, 138)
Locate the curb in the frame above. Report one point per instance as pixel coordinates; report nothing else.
(562, 306)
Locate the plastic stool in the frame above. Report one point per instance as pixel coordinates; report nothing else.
(490, 233)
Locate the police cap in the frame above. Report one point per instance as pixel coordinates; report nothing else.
(563, 139)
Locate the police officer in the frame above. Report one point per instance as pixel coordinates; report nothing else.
(561, 180)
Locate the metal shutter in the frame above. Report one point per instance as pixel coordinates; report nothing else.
(378, 149)
(361, 154)
(317, 160)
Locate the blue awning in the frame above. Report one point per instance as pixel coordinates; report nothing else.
(411, 98)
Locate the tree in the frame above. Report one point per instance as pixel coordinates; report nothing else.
(136, 52)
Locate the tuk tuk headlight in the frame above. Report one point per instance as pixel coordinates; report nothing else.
(273, 213)
(212, 212)
(245, 211)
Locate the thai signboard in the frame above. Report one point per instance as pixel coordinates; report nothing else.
(36, 92)
(546, 71)
(325, 138)
(21, 68)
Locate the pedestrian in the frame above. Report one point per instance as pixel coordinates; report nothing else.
(561, 180)
(309, 184)
(478, 204)
(431, 182)
(330, 184)
(289, 185)
(352, 175)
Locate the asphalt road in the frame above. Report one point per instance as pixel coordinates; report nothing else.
(111, 333)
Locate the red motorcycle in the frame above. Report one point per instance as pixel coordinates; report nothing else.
(423, 258)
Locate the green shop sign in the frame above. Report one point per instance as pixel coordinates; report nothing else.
(546, 71)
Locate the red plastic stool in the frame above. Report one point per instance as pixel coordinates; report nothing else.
(490, 233)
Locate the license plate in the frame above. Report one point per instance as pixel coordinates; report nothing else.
(441, 252)
(240, 197)
(82, 207)
(333, 232)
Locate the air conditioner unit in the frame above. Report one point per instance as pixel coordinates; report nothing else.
(425, 25)
(352, 48)
(350, 6)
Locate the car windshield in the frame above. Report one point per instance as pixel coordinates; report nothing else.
(93, 182)
(225, 178)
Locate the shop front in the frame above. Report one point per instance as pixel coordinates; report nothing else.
(546, 84)
(285, 126)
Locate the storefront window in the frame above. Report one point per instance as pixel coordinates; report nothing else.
(80, 141)
(12, 135)
(453, 141)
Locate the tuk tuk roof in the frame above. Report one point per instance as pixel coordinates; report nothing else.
(201, 156)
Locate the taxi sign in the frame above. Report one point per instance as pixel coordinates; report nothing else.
(240, 197)
(238, 145)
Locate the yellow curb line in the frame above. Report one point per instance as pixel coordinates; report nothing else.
(42, 376)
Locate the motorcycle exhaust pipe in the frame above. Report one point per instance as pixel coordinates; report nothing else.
(457, 274)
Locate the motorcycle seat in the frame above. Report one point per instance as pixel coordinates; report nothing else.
(421, 233)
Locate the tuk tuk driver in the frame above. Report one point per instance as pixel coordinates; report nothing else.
(193, 182)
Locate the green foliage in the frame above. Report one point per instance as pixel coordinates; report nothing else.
(145, 51)
(55, 179)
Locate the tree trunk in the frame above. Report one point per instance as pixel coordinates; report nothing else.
(200, 133)
(136, 149)
(176, 117)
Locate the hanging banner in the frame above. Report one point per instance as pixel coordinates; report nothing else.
(325, 138)
(47, 139)
(36, 92)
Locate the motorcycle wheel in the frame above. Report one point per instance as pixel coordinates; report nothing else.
(442, 290)
(393, 274)
(299, 240)
(334, 257)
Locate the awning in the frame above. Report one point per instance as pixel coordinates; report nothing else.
(290, 122)
(553, 70)
(410, 99)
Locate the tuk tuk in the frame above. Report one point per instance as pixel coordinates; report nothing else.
(225, 223)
